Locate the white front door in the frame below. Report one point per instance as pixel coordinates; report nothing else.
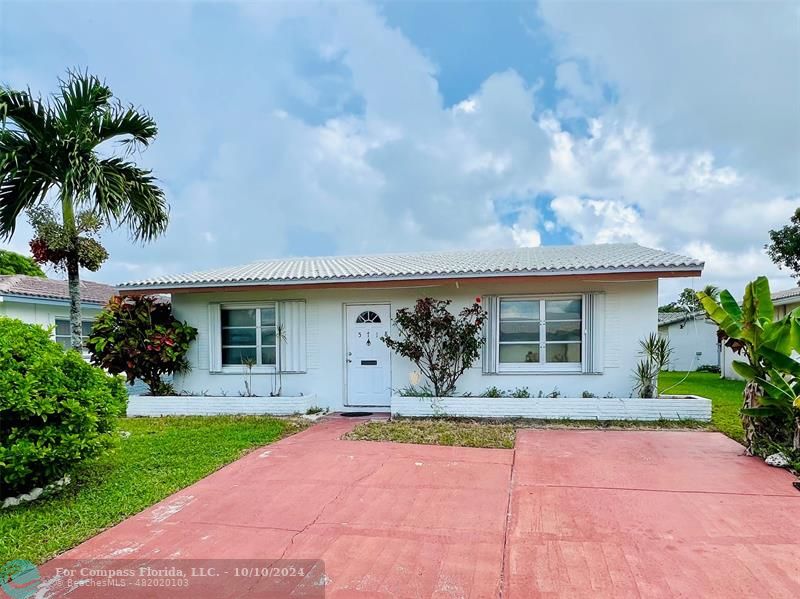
(367, 359)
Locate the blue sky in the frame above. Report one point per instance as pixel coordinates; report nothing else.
(329, 128)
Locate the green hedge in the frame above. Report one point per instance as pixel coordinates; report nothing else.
(55, 408)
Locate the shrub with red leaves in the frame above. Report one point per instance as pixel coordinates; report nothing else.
(139, 337)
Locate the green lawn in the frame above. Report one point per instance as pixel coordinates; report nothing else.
(161, 456)
(725, 396)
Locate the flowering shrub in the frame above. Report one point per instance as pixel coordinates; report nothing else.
(55, 409)
(442, 345)
(139, 336)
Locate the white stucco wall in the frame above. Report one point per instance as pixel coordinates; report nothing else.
(689, 338)
(726, 364)
(630, 313)
(43, 314)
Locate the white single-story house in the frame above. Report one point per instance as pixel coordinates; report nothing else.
(693, 338)
(562, 317)
(37, 300)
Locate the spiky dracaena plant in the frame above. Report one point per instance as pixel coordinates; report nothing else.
(656, 353)
(49, 148)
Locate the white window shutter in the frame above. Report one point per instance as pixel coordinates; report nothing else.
(292, 319)
(214, 338)
(594, 329)
(489, 358)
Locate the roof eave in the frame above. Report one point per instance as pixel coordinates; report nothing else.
(40, 299)
(792, 299)
(660, 272)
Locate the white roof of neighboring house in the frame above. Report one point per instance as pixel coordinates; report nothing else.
(666, 318)
(787, 296)
(547, 260)
(52, 289)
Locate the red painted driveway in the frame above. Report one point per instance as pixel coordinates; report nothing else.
(567, 513)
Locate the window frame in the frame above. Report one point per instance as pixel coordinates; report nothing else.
(257, 306)
(542, 366)
(68, 337)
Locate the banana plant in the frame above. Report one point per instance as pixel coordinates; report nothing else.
(751, 330)
(781, 399)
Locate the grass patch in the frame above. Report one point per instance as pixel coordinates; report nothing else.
(437, 431)
(725, 396)
(616, 425)
(161, 456)
(491, 433)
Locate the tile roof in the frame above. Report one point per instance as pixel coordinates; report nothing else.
(38, 287)
(787, 296)
(547, 260)
(665, 318)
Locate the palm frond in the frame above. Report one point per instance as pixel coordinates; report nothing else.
(53, 144)
(711, 291)
(29, 114)
(128, 195)
(121, 121)
(21, 186)
(81, 96)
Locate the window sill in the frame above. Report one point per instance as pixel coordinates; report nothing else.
(240, 370)
(541, 370)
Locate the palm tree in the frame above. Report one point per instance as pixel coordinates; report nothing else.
(50, 148)
(711, 291)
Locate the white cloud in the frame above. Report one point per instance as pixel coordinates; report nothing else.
(716, 76)
(582, 96)
(616, 185)
(727, 269)
(468, 106)
(603, 221)
(262, 158)
(525, 237)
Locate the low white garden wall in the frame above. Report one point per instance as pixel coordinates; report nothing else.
(192, 405)
(669, 407)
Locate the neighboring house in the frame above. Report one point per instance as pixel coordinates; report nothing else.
(567, 317)
(45, 302)
(784, 301)
(693, 339)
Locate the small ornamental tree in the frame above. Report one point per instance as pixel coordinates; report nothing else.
(139, 336)
(442, 345)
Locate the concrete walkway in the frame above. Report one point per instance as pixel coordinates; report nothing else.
(567, 513)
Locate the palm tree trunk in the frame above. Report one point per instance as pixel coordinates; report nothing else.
(73, 273)
(75, 321)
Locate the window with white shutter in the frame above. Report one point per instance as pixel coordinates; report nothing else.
(266, 336)
(543, 333)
